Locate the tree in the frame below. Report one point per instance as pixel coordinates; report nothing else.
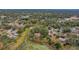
(66, 30)
(39, 29)
(57, 46)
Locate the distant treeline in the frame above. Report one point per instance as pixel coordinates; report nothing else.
(70, 11)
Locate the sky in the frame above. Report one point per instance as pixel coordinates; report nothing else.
(39, 4)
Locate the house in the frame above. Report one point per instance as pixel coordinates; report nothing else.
(52, 31)
(37, 35)
(72, 18)
(31, 28)
(75, 30)
(66, 19)
(19, 25)
(11, 24)
(24, 17)
(3, 16)
(62, 39)
(1, 31)
(12, 33)
(16, 24)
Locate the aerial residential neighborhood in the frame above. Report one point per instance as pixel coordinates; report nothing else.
(39, 30)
